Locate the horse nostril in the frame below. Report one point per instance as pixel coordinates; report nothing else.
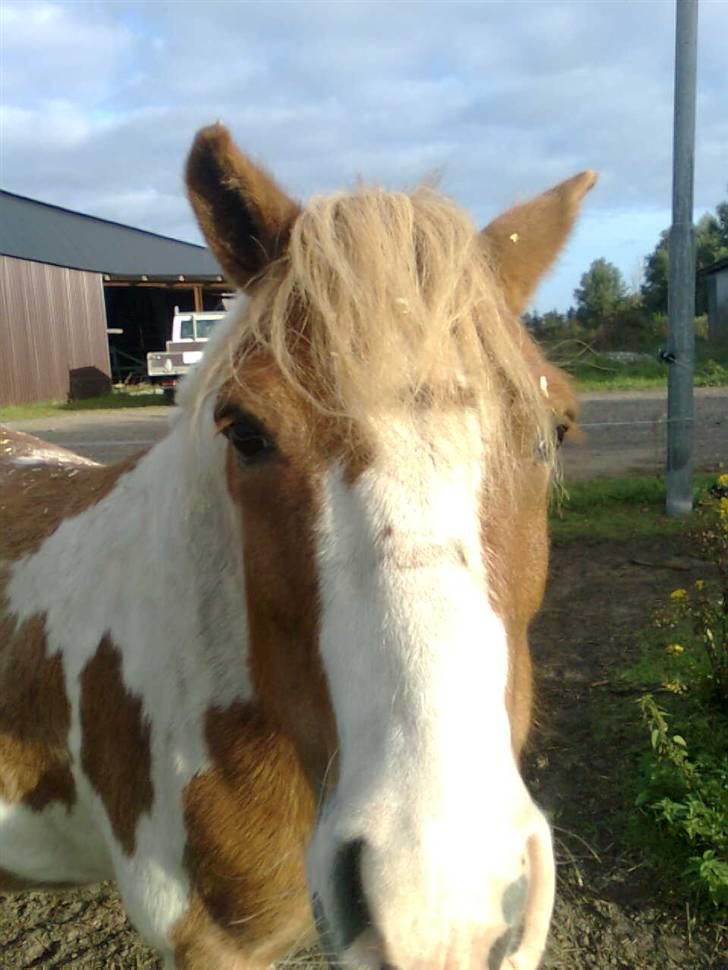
(324, 931)
(500, 948)
(514, 900)
(498, 952)
(353, 911)
(513, 903)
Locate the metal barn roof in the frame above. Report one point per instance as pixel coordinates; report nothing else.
(716, 267)
(46, 233)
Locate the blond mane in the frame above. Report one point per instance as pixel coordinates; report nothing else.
(387, 299)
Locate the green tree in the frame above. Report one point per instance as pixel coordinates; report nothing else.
(721, 211)
(600, 293)
(654, 287)
(547, 323)
(711, 243)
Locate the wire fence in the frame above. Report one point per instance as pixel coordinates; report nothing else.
(628, 446)
(660, 422)
(619, 445)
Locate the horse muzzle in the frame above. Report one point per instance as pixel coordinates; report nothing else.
(374, 916)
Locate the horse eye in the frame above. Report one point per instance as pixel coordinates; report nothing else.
(250, 440)
(561, 430)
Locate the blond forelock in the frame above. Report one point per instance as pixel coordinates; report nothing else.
(385, 300)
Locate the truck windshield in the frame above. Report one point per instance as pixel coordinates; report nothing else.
(204, 327)
(187, 328)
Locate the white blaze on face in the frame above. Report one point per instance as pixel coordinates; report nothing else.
(417, 663)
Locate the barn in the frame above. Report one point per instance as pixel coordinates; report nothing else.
(716, 281)
(83, 299)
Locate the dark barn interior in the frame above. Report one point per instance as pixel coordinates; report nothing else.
(143, 311)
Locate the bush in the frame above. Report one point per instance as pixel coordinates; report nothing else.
(631, 327)
(688, 796)
(711, 372)
(704, 608)
(685, 784)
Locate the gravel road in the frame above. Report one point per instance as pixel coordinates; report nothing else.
(625, 433)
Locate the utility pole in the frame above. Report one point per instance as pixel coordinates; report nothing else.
(681, 286)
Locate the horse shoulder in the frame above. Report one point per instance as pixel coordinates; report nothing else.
(36, 496)
(39, 772)
(43, 841)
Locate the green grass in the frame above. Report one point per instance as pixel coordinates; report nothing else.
(619, 508)
(598, 372)
(44, 409)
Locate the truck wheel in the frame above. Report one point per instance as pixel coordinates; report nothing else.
(169, 395)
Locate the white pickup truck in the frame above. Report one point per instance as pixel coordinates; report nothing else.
(190, 332)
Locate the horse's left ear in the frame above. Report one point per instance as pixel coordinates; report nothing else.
(525, 240)
(245, 217)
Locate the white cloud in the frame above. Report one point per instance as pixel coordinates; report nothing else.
(54, 51)
(60, 123)
(100, 102)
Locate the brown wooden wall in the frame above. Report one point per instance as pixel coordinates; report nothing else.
(52, 321)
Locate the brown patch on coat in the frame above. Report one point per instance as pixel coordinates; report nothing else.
(250, 817)
(514, 536)
(248, 820)
(515, 544)
(35, 718)
(115, 743)
(279, 511)
(35, 499)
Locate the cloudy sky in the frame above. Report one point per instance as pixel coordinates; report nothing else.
(99, 100)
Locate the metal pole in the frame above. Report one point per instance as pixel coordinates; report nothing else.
(681, 287)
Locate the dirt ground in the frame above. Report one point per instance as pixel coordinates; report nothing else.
(609, 912)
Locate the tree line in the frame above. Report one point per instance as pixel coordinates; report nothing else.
(609, 315)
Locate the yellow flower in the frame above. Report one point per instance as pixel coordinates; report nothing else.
(675, 686)
(700, 584)
(723, 480)
(674, 648)
(678, 594)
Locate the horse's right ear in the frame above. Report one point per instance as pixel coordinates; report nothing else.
(245, 217)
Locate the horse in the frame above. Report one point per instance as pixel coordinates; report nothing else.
(271, 675)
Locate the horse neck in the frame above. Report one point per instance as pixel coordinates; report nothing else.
(156, 567)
